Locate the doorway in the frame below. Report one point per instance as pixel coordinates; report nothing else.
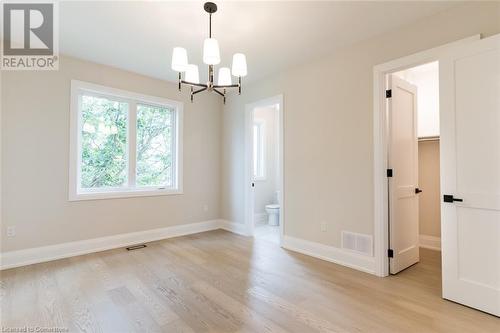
(469, 142)
(264, 208)
(413, 175)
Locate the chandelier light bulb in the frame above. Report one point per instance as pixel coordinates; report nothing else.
(211, 54)
(224, 78)
(179, 59)
(239, 67)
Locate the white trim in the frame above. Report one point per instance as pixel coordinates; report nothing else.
(249, 190)
(131, 143)
(132, 99)
(36, 255)
(430, 242)
(330, 253)
(126, 193)
(53, 252)
(1, 160)
(249, 182)
(237, 228)
(381, 240)
(262, 156)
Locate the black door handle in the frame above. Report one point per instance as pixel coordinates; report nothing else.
(450, 198)
(417, 191)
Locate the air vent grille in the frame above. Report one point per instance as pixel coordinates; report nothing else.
(359, 243)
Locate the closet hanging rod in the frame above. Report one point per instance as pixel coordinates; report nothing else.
(429, 138)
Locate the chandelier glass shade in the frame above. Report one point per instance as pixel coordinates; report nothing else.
(211, 57)
(179, 59)
(224, 78)
(192, 74)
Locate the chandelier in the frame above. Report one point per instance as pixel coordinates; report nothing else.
(211, 57)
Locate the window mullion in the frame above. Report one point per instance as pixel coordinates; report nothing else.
(132, 143)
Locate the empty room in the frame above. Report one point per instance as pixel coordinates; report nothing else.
(250, 166)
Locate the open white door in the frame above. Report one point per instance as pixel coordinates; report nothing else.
(403, 184)
(470, 174)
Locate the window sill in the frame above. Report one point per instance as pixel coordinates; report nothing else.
(123, 194)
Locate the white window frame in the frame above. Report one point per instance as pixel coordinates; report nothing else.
(261, 154)
(75, 192)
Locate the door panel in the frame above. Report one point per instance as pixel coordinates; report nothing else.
(482, 224)
(403, 159)
(473, 77)
(470, 155)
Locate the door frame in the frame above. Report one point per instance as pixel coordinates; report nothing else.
(249, 189)
(380, 142)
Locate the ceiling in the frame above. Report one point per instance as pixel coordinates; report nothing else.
(139, 36)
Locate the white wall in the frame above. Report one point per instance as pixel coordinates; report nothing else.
(429, 181)
(35, 148)
(426, 78)
(328, 137)
(265, 189)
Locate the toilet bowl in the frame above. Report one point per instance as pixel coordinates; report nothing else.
(273, 213)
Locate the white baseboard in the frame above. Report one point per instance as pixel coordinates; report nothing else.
(52, 252)
(430, 242)
(237, 228)
(330, 253)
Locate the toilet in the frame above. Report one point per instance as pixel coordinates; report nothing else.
(273, 211)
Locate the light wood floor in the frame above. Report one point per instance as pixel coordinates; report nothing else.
(221, 282)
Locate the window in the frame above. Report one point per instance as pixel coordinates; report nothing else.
(123, 144)
(259, 170)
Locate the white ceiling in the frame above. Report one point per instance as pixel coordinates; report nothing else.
(139, 36)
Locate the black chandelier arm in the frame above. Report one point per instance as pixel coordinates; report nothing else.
(196, 92)
(194, 84)
(199, 91)
(229, 86)
(219, 92)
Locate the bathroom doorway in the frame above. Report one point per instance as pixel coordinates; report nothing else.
(264, 169)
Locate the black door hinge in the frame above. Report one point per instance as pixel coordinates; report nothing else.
(390, 253)
(388, 93)
(389, 172)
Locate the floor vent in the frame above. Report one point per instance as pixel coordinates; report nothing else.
(359, 243)
(136, 247)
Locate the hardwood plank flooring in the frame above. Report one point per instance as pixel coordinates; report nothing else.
(221, 282)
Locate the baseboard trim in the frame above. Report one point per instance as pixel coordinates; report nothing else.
(36, 255)
(53, 252)
(430, 242)
(329, 253)
(237, 228)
